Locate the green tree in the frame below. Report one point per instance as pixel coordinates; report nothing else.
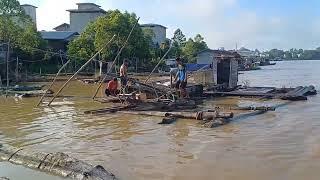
(99, 32)
(192, 47)
(18, 29)
(179, 37)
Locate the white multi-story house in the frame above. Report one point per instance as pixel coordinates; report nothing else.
(31, 11)
(160, 32)
(81, 17)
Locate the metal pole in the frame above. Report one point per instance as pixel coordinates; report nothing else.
(115, 59)
(82, 67)
(8, 57)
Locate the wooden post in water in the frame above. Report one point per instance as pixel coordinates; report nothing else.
(54, 80)
(115, 59)
(8, 58)
(17, 70)
(82, 67)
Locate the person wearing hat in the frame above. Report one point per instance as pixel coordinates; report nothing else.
(181, 78)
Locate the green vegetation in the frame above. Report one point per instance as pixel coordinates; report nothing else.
(18, 29)
(140, 45)
(294, 54)
(98, 33)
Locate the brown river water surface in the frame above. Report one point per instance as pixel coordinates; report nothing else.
(277, 145)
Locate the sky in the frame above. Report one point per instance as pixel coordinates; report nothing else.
(261, 24)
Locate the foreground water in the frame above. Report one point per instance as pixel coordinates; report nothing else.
(277, 145)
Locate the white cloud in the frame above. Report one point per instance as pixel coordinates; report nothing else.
(223, 23)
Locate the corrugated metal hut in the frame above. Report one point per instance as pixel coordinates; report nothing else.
(224, 66)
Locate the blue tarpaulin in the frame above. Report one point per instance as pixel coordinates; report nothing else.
(196, 67)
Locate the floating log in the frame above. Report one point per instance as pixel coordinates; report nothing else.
(109, 110)
(55, 163)
(260, 108)
(35, 93)
(183, 115)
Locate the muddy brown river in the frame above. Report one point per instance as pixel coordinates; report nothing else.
(280, 145)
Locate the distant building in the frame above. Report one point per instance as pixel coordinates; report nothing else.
(58, 40)
(31, 11)
(247, 53)
(160, 32)
(81, 17)
(63, 27)
(224, 66)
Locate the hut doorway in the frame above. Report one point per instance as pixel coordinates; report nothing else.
(223, 72)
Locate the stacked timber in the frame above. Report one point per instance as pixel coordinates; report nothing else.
(55, 163)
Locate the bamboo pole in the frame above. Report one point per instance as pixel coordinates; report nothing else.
(54, 80)
(82, 67)
(159, 63)
(115, 59)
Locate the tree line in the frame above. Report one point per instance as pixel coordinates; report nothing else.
(294, 54)
(27, 44)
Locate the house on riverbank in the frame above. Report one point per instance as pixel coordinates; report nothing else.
(224, 66)
(58, 40)
(159, 31)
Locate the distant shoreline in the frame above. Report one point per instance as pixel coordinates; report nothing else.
(297, 60)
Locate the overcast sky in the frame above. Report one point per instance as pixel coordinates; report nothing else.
(262, 24)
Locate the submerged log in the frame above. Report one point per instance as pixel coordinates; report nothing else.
(216, 123)
(56, 163)
(168, 120)
(109, 110)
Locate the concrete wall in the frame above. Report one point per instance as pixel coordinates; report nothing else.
(79, 21)
(31, 11)
(233, 82)
(160, 34)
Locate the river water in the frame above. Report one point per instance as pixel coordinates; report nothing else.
(277, 145)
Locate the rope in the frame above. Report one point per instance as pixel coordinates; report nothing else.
(14, 154)
(44, 158)
(55, 163)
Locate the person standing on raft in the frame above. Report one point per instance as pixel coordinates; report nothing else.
(181, 78)
(124, 75)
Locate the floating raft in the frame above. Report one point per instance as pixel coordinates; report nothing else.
(55, 163)
(292, 94)
(170, 113)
